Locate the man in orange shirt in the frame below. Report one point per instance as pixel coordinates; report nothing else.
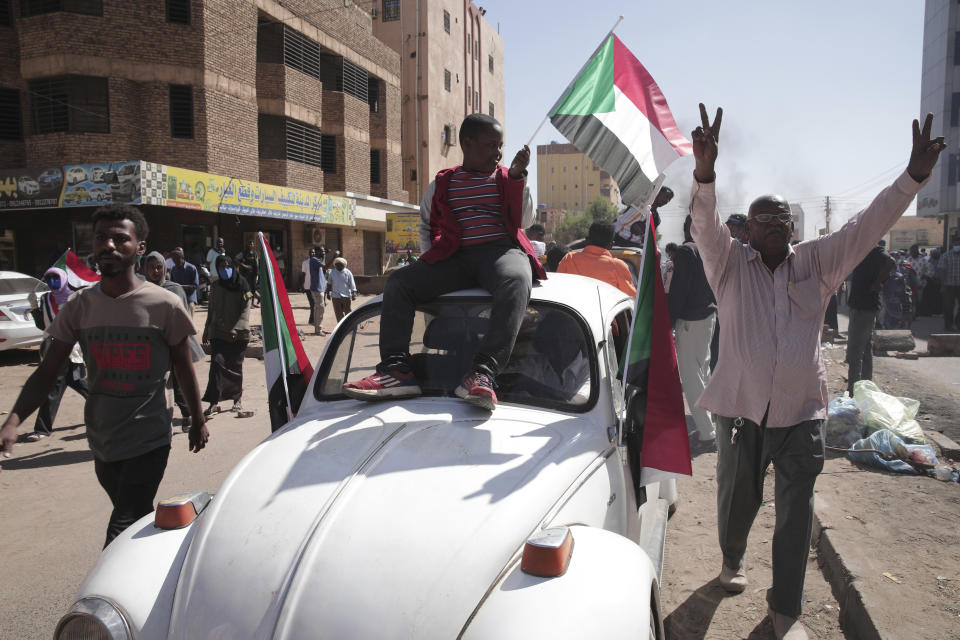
(595, 260)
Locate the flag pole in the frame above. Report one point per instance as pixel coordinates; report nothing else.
(567, 90)
(275, 303)
(636, 305)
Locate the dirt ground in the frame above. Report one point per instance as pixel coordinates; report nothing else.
(897, 535)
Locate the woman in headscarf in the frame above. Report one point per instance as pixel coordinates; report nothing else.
(228, 332)
(73, 374)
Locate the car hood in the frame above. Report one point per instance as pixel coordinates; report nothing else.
(377, 521)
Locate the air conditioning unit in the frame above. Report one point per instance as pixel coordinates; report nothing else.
(314, 235)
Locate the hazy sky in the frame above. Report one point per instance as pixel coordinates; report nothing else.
(818, 96)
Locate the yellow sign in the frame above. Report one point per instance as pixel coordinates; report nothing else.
(403, 232)
(174, 187)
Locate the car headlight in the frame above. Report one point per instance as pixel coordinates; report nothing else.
(93, 619)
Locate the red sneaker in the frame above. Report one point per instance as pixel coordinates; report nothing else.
(382, 385)
(477, 388)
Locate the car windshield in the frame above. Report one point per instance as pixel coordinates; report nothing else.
(23, 284)
(551, 366)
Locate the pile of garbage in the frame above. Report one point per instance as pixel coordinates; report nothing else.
(880, 431)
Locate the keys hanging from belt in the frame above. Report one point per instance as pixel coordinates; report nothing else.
(735, 432)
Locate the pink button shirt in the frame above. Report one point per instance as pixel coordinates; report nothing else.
(770, 322)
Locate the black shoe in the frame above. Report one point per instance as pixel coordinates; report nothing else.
(185, 424)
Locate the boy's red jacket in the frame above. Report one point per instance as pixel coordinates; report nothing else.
(445, 229)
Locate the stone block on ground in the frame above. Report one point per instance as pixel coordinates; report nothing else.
(949, 448)
(944, 344)
(893, 340)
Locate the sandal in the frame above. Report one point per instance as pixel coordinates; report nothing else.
(698, 446)
(214, 408)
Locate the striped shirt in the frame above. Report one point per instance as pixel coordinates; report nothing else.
(770, 321)
(475, 201)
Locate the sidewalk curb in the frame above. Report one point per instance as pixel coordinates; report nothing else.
(856, 620)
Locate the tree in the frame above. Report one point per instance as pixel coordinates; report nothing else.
(575, 226)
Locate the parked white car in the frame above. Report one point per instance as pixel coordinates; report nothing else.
(17, 328)
(76, 175)
(420, 518)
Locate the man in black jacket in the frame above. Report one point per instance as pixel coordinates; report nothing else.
(693, 312)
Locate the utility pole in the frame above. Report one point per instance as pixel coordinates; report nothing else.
(827, 209)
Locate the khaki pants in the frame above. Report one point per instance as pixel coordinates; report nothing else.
(692, 341)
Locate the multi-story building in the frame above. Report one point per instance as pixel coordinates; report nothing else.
(940, 95)
(451, 66)
(569, 181)
(243, 117)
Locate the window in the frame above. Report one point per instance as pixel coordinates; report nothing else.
(446, 80)
(470, 45)
(300, 52)
(283, 138)
(355, 80)
(303, 143)
(476, 99)
(5, 13)
(955, 110)
(39, 7)
(476, 50)
(956, 48)
(490, 105)
(953, 169)
(339, 74)
(178, 11)
(373, 93)
(490, 63)
(74, 104)
(181, 111)
(374, 166)
(391, 10)
(446, 21)
(10, 126)
(328, 146)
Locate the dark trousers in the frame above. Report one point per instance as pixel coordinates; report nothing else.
(72, 375)
(341, 307)
(860, 346)
(132, 485)
(797, 456)
(500, 268)
(310, 302)
(951, 318)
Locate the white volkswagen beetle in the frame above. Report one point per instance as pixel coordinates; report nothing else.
(419, 518)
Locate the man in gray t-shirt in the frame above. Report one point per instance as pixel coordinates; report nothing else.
(130, 332)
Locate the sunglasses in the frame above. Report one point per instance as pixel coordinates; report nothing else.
(768, 217)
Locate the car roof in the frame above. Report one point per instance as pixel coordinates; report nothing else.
(6, 275)
(587, 295)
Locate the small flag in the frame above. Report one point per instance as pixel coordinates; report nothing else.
(654, 401)
(79, 275)
(287, 367)
(616, 114)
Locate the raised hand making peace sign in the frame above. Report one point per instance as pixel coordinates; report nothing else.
(925, 151)
(705, 139)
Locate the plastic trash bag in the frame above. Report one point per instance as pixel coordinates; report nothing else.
(880, 410)
(889, 443)
(844, 424)
(893, 445)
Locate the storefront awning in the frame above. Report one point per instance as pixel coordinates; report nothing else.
(142, 182)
